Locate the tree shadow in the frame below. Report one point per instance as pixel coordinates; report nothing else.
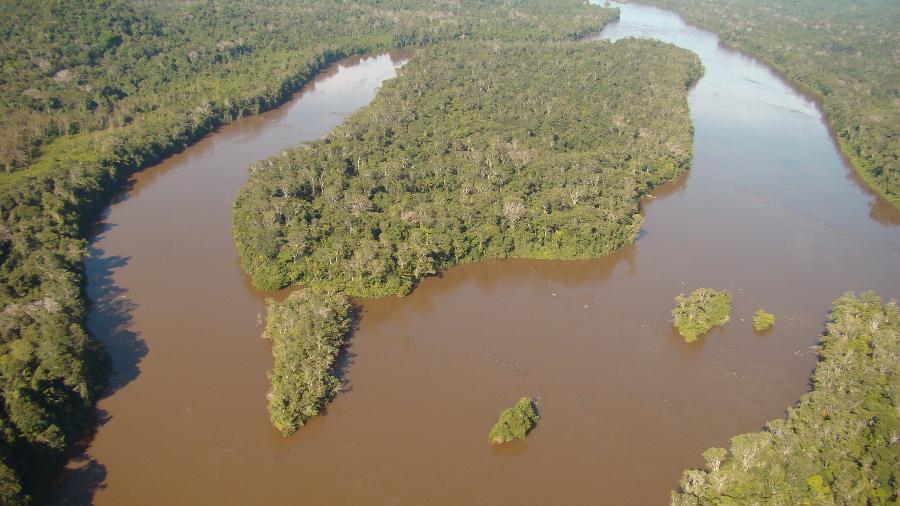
(110, 317)
(80, 482)
(83, 475)
(345, 357)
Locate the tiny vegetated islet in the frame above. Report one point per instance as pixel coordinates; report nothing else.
(515, 422)
(698, 313)
(763, 321)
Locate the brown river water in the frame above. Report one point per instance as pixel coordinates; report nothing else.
(769, 211)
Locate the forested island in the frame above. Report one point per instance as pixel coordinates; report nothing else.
(845, 52)
(95, 90)
(839, 444)
(476, 150)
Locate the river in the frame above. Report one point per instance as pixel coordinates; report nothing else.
(770, 211)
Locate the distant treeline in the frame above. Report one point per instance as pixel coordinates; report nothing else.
(839, 445)
(476, 150)
(96, 89)
(847, 52)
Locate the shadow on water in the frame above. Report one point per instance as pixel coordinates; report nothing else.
(346, 357)
(91, 477)
(110, 318)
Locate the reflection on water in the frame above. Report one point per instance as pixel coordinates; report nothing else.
(767, 211)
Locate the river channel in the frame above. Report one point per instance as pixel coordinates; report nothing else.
(770, 210)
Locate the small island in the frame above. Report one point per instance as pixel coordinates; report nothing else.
(307, 331)
(696, 314)
(763, 321)
(515, 422)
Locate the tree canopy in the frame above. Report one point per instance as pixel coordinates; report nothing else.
(839, 444)
(762, 320)
(700, 311)
(93, 90)
(476, 150)
(307, 331)
(514, 423)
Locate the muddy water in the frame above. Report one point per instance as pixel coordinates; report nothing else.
(769, 211)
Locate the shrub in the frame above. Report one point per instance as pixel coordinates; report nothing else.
(515, 422)
(696, 314)
(763, 320)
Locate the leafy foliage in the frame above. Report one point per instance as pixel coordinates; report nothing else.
(70, 66)
(477, 150)
(846, 52)
(94, 90)
(839, 445)
(696, 314)
(515, 422)
(307, 331)
(762, 320)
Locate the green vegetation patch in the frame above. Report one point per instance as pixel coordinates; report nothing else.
(307, 331)
(477, 150)
(762, 320)
(515, 422)
(94, 90)
(839, 444)
(845, 52)
(696, 314)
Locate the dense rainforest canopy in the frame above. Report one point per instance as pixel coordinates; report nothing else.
(839, 445)
(846, 52)
(70, 67)
(92, 90)
(476, 150)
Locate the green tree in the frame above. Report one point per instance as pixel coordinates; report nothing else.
(699, 312)
(307, 331)
(762, 320)
(838, 445)
(515, 422)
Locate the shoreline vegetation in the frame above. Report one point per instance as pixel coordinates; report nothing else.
(838, 445)
(477, 150)
(844, 53)
(95, 91)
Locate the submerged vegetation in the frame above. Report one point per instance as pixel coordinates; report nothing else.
(477, 150)
(515, 422)
(94, 90)
(307, 331)
(846, 52)
(762, 320)
(699, 312)
(839, 445)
